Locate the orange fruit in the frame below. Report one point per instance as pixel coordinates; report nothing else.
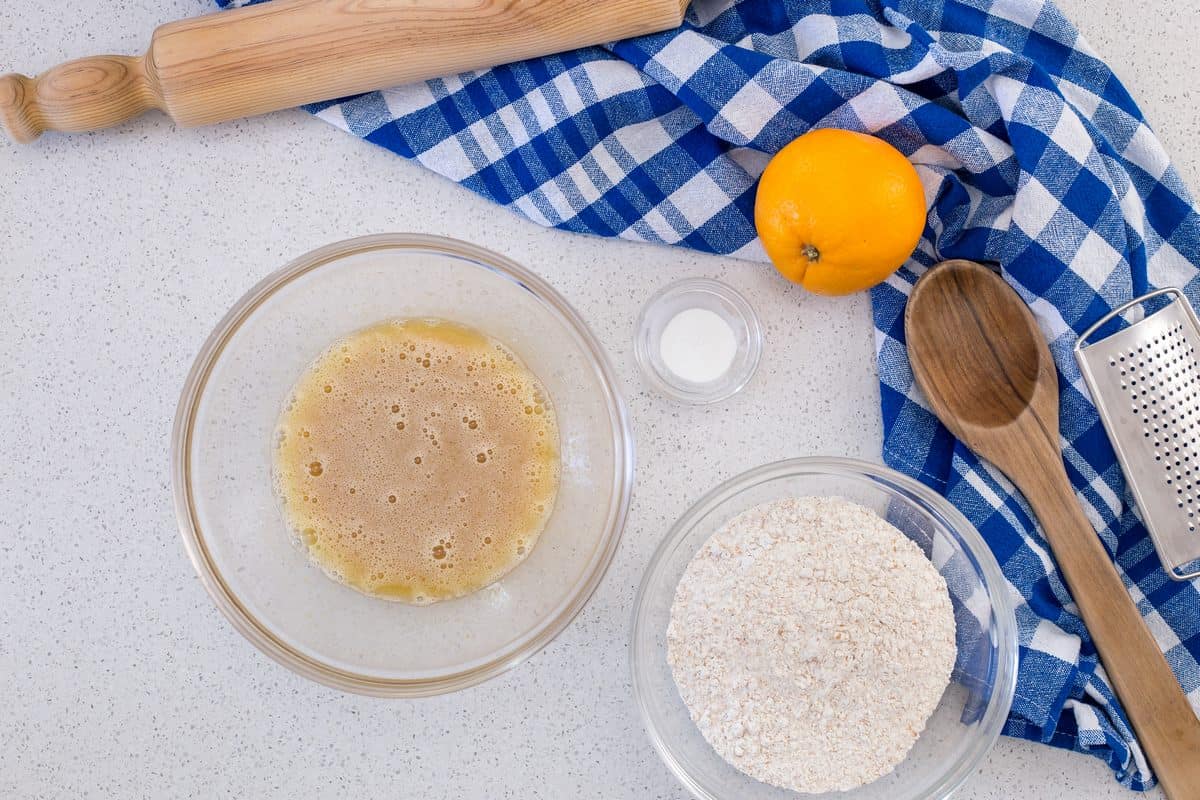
(839, 211)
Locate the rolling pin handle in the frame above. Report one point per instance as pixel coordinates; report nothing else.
(81, 95)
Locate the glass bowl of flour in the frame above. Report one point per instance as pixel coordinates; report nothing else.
(885, 644)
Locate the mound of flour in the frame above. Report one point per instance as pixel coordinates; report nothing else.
(811, 641)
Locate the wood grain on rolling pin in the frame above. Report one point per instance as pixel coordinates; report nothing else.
(80, 95)
(290, 52)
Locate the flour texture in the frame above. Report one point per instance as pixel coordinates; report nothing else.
(811, 641)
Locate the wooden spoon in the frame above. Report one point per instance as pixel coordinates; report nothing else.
(981, 361)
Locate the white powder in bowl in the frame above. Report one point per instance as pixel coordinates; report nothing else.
(698, 345)
(811, 641)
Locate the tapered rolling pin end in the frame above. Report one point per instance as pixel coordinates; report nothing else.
(18, 115)
(82, 95)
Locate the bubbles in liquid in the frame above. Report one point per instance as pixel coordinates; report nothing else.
(496, 514)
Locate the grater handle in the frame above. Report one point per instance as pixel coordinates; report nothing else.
(1121, 309)
(1166, 725)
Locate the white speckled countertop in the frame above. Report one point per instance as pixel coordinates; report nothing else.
(120, 250)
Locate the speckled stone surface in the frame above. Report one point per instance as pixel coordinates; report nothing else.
(119, 251)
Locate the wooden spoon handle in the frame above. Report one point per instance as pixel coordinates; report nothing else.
(81, 95)
(1161, 715)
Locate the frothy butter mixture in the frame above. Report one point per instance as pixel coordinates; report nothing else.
(417, 460)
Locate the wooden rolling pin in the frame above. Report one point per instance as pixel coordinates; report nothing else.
(287, 53)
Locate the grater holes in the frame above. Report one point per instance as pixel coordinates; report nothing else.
(1161, 379)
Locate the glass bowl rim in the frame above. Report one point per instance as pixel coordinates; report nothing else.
(260, 634)
(1006, 624)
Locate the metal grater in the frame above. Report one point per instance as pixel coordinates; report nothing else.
(1145, 382)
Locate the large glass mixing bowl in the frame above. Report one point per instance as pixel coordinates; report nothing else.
(229, 515)
(973, 708)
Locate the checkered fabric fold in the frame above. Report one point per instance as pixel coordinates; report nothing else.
(1033, 157)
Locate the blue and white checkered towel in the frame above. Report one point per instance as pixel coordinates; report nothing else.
(1033, 157)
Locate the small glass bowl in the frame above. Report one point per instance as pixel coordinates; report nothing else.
(974, 706)
(726, 303)
(230, 520)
